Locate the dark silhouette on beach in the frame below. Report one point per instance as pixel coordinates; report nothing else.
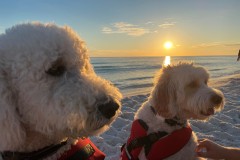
(238, 55)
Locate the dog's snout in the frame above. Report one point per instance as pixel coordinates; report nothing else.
(109, 109)
(216, 99)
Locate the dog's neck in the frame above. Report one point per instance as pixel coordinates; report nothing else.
(35, 141)
(35, 144)
(43, 153)
(51, 152)
(157, 122)
(174, 121)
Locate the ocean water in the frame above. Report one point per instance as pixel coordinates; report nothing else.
(134, 75)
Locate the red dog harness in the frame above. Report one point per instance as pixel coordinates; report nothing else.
(157, 145)
(84, 149)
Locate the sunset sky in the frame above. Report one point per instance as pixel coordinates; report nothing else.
(138, 27)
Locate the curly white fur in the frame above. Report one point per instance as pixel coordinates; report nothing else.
(39, 108)
(182, 91)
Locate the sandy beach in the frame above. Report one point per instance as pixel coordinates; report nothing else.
(223, 127)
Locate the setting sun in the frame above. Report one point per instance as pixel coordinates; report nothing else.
(168, 45)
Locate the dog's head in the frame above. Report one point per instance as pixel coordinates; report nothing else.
(47, 85)
(182, 90)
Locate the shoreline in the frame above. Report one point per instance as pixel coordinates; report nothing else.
(216, 82)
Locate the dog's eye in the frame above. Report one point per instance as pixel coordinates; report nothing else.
(193, 84)
(56, 71)
(206, 82)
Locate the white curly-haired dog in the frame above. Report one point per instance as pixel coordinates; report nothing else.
(161, 129)
(49, 92)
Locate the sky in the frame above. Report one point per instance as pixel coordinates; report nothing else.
(122, 28)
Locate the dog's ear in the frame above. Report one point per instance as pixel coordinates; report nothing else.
(163, 96)
(12, 133)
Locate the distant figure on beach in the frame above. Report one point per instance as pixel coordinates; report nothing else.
(238, 55)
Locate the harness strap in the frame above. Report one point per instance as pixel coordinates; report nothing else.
(153, 138)
(36, 155)
(145, 141)
(140, 139)
(138, 129)
(175, 122)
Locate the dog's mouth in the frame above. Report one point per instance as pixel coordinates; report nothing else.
(209, 112)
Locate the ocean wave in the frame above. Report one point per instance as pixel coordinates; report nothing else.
(126, 69)
(136, 86)
(138, 78)
(217, 69)
(220, 82)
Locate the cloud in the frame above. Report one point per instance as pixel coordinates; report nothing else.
(216, 44)
(232, 44)
(167, 25)
(119, 53)
(107, 30)
(203, 45)
(125, 28)
(150, 22)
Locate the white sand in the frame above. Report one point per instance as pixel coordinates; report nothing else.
(223, 127)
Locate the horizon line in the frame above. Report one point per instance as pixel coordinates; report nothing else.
(161, 56)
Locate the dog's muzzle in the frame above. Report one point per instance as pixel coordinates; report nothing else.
(109, 109)
(216, 99)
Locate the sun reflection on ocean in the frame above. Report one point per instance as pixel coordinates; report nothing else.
(167, 61)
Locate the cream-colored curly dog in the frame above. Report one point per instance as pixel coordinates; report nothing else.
(49, 90)
(180, 92)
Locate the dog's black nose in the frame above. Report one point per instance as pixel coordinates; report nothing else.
(216, 99)
(108, 109)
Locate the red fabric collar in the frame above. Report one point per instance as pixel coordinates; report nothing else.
(84, 149)
(161, 149)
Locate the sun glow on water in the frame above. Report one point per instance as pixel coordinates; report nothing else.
(167, 61)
